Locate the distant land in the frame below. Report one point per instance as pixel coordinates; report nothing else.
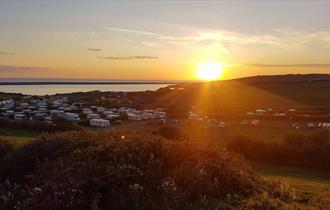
(288, 78)
(47, 81)
(243, 94)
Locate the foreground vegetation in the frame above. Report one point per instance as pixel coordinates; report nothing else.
(129, 170)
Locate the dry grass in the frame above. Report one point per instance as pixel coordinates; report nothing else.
(311, 185)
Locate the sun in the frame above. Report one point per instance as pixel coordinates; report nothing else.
(210, 70)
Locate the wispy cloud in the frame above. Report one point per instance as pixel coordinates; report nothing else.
(10, 68)
(299, 65)
(221, 38)
(151, 44)
(138, 57)
(6, 53)
(93, 49)
(233, 43)
(78, 35)
(128, 30)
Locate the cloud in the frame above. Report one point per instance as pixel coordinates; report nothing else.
(138, 57)
(93, 49)
(236, 43)
(70, 35)
(222, 38)
(229, 38)
(305, 65)
(9, 68)
(6, 53)
(151, 44)
(128, 30)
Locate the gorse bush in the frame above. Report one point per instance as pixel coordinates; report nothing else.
(298, 150)
(122, 170)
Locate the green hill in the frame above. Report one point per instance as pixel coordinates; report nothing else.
(244, 94)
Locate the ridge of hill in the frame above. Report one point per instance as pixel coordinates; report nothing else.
(244, 94)
(287, 78)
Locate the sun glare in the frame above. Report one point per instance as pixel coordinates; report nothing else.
(210, 70)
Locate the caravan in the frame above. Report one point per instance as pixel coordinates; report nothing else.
(99, 122)
(93, 116)
(72, 117)
(326, 126)
(20, 116)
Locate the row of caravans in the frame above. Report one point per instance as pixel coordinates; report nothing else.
(146, 115)
(132, 114)
(38, 109)
(43, 116)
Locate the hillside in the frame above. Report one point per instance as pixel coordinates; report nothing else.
(244, 94)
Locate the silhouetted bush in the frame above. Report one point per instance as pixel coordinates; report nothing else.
(122, 170)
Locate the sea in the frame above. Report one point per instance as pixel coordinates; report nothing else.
(20, 85)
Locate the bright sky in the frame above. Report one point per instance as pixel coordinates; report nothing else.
(162, 40)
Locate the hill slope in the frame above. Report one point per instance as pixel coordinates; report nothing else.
(282, 92)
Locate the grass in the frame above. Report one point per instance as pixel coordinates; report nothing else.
(313, 185)
(17, 133)
(267, 131)
(308, 175)
(236, 96)
(18, 137)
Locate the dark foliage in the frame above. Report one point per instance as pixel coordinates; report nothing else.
(298, 150)
(122, 170)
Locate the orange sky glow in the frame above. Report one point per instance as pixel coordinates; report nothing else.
(156, 41)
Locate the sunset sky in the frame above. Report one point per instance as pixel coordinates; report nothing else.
(163, 40)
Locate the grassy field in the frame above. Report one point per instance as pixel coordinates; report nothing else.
(237, 96)
(18, 137)
(312, 186)
(267, 131)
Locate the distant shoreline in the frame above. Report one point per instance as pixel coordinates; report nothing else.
(87, 83)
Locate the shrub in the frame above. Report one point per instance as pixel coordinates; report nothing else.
(123, 170)
(25, 160)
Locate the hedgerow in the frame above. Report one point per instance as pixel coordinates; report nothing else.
(312, 150)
